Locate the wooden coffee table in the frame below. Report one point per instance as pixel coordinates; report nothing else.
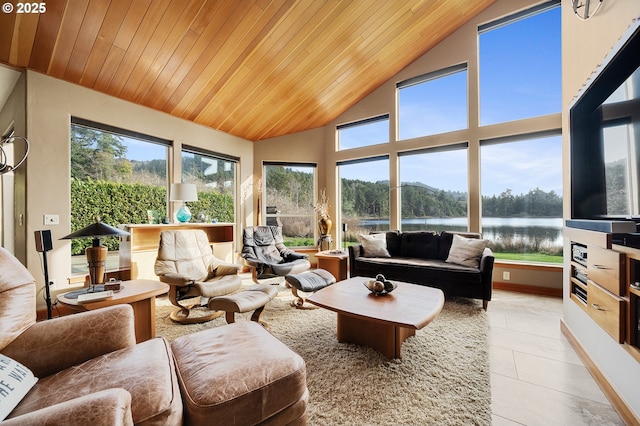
(140, 294)
(379, 322)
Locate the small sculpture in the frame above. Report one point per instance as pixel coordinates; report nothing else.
(380, 285)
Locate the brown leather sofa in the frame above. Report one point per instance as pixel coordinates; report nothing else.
(92, 372)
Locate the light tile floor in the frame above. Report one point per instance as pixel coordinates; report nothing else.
(536, 376)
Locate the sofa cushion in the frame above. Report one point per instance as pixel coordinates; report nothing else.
(394, 242)
(466, 251)
(374, 245)
(146, 370)
(420, 244)
(446, 238)
(420, 271)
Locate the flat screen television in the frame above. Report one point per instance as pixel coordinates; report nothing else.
(605, 137)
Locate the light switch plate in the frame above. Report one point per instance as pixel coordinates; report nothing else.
(51, 219)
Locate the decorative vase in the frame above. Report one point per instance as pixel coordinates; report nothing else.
(325, 225)
(184, 214)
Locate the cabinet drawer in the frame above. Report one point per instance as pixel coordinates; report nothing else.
(606, 267)
(606, 309)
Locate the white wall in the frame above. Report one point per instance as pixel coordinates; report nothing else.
(584, 45)
(50, 105)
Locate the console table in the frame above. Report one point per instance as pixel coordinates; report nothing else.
(138, 251)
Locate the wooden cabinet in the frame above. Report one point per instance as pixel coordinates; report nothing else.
(601, 278)
(139, 250)
(606, 309)
(606, 267)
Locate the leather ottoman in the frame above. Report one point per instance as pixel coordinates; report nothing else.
(240, 374)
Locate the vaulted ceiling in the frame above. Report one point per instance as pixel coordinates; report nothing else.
(252, 68)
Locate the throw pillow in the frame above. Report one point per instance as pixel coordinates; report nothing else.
(466, 251)
(15, 381)
(374, 245)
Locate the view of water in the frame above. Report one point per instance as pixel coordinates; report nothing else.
(539, 231)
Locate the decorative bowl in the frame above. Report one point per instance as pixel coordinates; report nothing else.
(380, 288)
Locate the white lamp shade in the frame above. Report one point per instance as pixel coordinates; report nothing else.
(183, 192)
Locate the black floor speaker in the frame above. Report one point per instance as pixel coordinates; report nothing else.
(43, 240)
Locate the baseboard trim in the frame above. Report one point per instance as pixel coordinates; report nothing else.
(618, 403)
(530, 289)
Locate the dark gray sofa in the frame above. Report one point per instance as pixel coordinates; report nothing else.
(419, 257)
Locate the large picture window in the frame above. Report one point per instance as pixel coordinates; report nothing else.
(215, 180)
(364, 189)
(434, 191)
(289, 191)
(522, 197)
(117, 175)
(520, 65)
(433, 103)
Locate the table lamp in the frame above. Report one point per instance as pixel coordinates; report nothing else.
(183, 192)
(96, 254)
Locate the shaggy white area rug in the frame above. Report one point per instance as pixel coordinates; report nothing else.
(441, 379)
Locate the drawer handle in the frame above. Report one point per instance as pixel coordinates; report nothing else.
(595, 265)
(598, 307)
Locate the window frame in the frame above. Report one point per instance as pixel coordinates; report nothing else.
(312, 215)
(517, 138)
(119, 132)
(462, 146)
(503, 22)
(431, 77)
(363, 122)
(189, 149)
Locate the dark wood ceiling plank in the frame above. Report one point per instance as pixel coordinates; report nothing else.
(171, 22)
(239, 40)
(22, 45)
(276, 64)
(196, 58)
(338, 47)
(269, 18)
(327, 76)
(140, 40)
(169, 49)
(109, 67)
(322, 111)
(106, 35)
(7, 33)
(408, 29)
(69, 29)
(91, 24)
(169, 78)
(132, 21)
(231, 40)
(46, 36)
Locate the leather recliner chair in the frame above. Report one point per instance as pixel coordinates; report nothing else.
(264, 251)
(90, 369)
(186, 262)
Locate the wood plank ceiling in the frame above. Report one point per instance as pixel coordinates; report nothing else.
(252, 68)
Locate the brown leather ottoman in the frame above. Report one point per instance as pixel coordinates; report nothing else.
(240, 374)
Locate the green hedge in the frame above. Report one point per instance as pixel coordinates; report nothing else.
(117, 203)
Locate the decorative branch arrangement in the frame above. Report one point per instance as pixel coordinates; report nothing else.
(321, 206)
